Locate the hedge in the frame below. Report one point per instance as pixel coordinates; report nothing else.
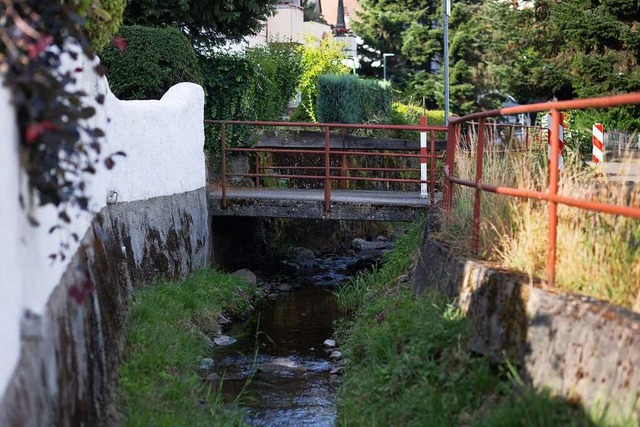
(152, 60)
(348, 99)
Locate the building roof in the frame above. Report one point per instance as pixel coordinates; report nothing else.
(330, 11)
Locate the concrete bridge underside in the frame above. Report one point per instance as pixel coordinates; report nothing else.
(345, 204)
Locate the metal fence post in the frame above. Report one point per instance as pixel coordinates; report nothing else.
(327, 171)
(432, 168)
(448, 167)
(556, 119)
(478, 191)
(223, 168)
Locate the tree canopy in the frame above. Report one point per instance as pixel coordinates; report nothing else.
(204, 22)
(562, 49)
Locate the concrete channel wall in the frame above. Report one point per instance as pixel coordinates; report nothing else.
(583, 349)
(62, 322)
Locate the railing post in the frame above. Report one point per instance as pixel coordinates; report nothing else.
(327, 171)
(343, 171)
(478, 191)
(553, 190)
(223, 168)
(432, 168)
(450, 155)
(257, 170)
(424, 185)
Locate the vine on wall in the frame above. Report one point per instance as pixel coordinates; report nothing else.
(59, 148)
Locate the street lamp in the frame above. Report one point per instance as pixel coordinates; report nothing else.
(446, 12)
(384, 64)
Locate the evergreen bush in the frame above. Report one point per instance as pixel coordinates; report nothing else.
(149, 61)
(348, 99)
(257, 85)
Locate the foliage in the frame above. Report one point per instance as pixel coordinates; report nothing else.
(277, 70)
(597, 254)
(407, 362)
(153, 60)
(58, 146)
(102, 18)
(319, 57)
(165, 339)
(255, 86)
(348, 99)
(406, 114)
(206, 23)
(412, 31)
(568, 49)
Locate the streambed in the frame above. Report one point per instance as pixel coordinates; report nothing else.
(293, 375)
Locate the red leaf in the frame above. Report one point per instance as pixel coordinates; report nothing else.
(34, 130)
(120, 43)
(35, 49)
(109, 163)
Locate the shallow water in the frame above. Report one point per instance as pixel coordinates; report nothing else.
(293, 327)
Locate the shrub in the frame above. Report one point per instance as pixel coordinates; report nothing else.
(102, 19)
(150, 62)
(348, 99)
(403, 114)
(339, 99)
(257, 85)
(319, 57)
(277, 70)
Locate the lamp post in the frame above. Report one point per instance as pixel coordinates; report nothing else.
(384, 64)
(446, 11)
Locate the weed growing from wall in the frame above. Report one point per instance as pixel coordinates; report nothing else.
(58, 145)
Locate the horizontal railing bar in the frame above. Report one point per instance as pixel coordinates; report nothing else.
(607, 208)
(416, 128)
(610, 101)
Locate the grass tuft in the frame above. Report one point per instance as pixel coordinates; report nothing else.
(597, 254)
(165, 339)
(408, 363)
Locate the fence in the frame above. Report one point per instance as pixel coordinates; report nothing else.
(336, 146)
(551, 196)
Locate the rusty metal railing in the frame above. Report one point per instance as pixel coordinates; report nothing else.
(345, 176)
(551, 196)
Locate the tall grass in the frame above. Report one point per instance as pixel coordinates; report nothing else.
(597, 254)
(408, 363)
(165, 339)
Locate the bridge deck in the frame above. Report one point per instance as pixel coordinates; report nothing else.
(345, 204)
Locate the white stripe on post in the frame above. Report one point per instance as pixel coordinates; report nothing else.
(424, 187)
(598, 143)
(560, 137)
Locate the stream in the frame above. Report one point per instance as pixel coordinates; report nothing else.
(294, 378)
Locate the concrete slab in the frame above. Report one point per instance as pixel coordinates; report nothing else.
(345, 204)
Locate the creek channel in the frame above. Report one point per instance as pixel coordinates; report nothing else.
(280, 365)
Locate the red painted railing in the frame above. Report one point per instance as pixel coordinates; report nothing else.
(261, 172)
(551, 196)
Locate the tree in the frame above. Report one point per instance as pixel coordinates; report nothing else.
(319, 57)
(568, 49)
(204, 22)
(412, 30)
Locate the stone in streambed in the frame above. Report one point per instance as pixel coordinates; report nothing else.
(223, 340)
(247, 275)
(329, 343)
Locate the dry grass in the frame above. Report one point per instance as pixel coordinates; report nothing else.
(597, 254)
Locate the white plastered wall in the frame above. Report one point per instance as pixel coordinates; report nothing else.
(163, 141)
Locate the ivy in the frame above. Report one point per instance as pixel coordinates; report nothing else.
(58, 146)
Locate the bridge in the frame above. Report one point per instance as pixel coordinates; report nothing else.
(331, 173)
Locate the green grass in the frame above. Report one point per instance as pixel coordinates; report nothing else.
(408, 363)
(165, 339)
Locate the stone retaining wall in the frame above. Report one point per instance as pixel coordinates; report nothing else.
(581, 348)
(70, 353)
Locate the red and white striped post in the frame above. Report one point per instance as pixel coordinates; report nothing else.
(424, 187)
(560, 137)
(598, 143)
